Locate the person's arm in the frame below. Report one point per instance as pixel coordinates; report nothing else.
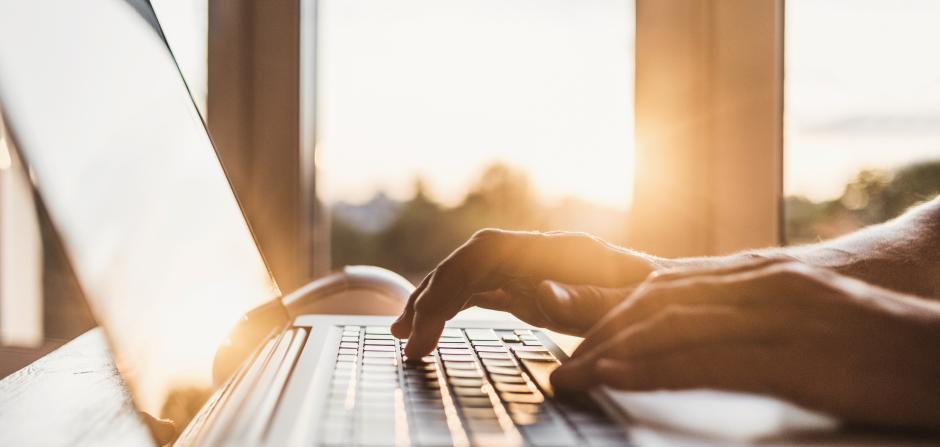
(508, 270)
(902, 254)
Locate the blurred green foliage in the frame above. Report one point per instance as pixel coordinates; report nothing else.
(423, 232)
(873, 196)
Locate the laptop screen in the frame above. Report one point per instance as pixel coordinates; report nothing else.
(93, 101)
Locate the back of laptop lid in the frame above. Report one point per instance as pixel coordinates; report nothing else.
(92, 99)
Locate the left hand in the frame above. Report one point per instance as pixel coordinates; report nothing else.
(806, 334)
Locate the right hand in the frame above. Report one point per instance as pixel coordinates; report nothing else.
(564, 281)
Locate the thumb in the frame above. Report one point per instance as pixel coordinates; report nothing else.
(569, 308)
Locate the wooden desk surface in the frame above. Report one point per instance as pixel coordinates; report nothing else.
(71, 397)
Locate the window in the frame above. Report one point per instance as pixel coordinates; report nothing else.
(437, 118)
(862, 123)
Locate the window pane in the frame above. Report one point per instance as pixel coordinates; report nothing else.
(439, 117)
(862, 125)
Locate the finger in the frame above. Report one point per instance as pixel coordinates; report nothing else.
(726, 367)
(424, 335)
(496, 300)
(572, 308)
(491, 258)
(677, 329)
(739, 285)
(401, 327)
(673, 329)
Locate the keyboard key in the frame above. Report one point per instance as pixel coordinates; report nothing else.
(491, 349)
(522, 398)
(494, 355)
(383, 354)
(352, 339)
(465, 374)
(458, 351)
(451, 332)
(378, 330)
(415, 366)
(486, 343)
(348, 351)
(452, 344)
(533, 355)
(479, 413)
(461, 365)
(420, 375)
(512, 387)
(509, 337)
(528, 337)
(346, 358)
(499, 362)
(350, 345)
(515, 408)
(513, 371)
(523, 331)
(424, 394)
(456, 381)
(424, 404)
(379, 361)
(474, 402)
(379, 337)
(484, 427)
(521, 348)
(373, 372)
(503, 378)
(481, 334)
(526, 418)
(469, 391)
(457, 358)
(378, 348)
(374, 342)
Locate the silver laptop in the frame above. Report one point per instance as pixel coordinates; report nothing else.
(93, 101)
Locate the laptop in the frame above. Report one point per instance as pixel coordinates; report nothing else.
(94, 103)
(92, 100)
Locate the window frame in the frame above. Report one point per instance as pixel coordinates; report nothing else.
(709, 126)
(708, 108)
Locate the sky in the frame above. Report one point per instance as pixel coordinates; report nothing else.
(441, 88)
(862, 90)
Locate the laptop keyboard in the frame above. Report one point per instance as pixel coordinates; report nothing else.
(479, 387)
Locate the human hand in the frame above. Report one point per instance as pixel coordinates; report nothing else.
(507, 270)
(805, 334)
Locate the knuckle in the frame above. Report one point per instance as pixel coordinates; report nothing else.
(426, 307)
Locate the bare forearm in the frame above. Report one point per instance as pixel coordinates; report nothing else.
(902, 254)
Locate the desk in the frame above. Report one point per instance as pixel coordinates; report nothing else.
(71, 397)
